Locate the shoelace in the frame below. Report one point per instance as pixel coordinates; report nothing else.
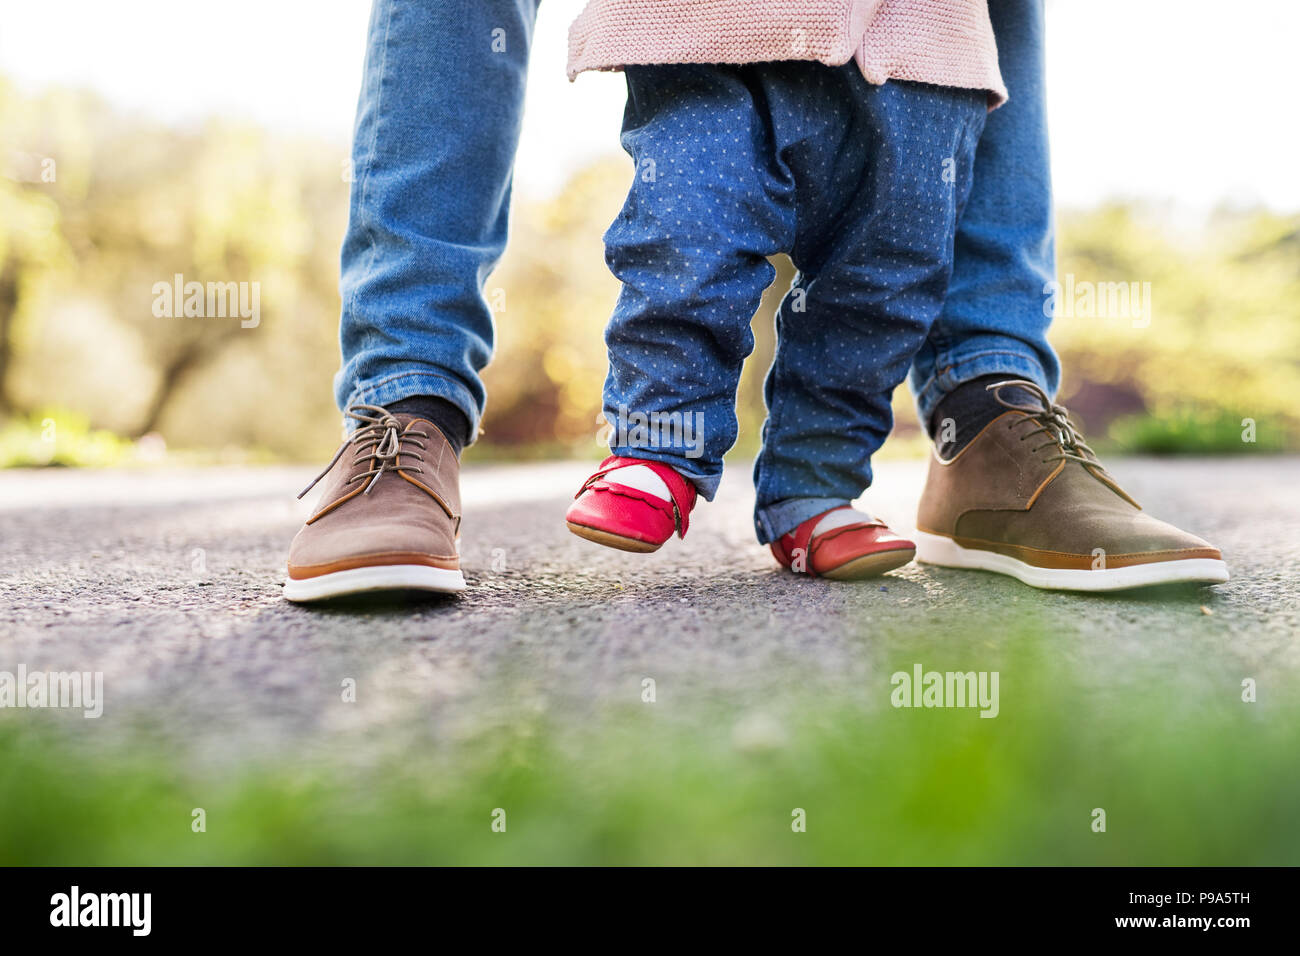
(1052, 419)
(379, 440)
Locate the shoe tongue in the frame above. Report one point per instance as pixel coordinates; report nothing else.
(965, 412)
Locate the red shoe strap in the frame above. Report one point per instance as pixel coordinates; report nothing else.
(682, 491)
(798, 539)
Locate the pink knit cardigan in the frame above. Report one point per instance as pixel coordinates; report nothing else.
(945, 42)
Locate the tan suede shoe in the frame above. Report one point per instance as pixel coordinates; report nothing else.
(1028, 498)
(388, 517)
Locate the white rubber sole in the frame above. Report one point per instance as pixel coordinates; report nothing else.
(945, 552)
(387, 577)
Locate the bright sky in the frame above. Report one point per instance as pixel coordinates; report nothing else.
(1182, 100)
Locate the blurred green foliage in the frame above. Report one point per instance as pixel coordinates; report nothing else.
(1185, 778)
(98, 206)
(59, 437)
(1198, 433)
(1221, 344)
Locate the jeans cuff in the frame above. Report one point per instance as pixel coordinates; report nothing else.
(394, 388)
(956, 370)
(774, 520)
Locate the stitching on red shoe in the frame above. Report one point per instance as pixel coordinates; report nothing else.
(623, 491)
(836, 532)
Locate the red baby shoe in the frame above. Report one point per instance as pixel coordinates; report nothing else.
(842, 544)
(636, 511)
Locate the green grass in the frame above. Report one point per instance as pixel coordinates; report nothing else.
(1182, 780)
(1217, 433)
(59, 437)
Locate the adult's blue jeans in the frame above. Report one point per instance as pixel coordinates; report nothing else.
(437, 126)
(433, 149)
(994, 321)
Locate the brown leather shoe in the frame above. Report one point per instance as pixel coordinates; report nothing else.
(1028, 498)
(388, 517)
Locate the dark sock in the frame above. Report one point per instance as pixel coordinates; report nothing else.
(971, 406)
(448, 419)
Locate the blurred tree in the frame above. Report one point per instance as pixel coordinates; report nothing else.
(31, 240)
(1220, 338)
(134, 205)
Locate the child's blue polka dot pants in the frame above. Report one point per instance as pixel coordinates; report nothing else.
(861, 185)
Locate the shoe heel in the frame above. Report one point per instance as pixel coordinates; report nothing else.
(940, 550)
